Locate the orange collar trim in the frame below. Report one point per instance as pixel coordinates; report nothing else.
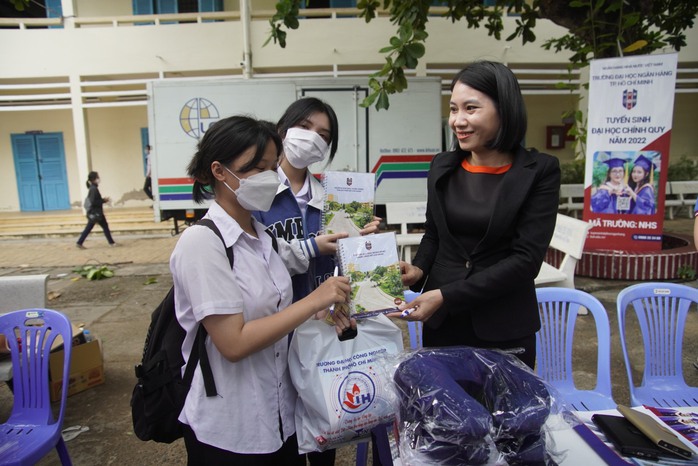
(482, 169)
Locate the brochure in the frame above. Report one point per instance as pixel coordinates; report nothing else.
(349, 201)
(372, 264)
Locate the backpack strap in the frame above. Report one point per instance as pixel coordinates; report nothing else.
(198, 350)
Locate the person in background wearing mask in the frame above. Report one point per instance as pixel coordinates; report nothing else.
(309, 131)
(248, 311)
(95, 211)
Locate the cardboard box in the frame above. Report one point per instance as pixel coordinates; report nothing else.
(86, 369)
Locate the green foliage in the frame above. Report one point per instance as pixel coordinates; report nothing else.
(573, 172)
(683, 170)
(686, 272)
(596, 29)
(20, 4)
(94, 272)
(599, 175)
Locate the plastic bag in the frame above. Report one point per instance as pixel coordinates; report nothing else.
(342, 390)
(463, 405)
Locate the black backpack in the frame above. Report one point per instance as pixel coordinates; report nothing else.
(159, 394)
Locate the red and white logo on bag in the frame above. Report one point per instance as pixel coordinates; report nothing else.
(356, 392)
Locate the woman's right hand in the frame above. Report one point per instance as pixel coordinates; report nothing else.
(411, 274)
(331, 291)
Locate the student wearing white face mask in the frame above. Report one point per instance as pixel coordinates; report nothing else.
(309, 131)
(248, 311)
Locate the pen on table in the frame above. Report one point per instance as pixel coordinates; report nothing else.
(335, 274)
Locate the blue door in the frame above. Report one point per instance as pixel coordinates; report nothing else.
(42, 182)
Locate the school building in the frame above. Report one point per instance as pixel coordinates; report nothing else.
(74, 77)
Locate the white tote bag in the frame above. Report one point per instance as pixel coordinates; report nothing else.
(343, 392)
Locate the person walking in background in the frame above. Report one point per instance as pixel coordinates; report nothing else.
(95, 211)
(640, 187)
(148, 185)
(248, 311)
(309, 130)
(491, 211)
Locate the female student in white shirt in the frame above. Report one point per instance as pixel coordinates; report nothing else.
(247, 311)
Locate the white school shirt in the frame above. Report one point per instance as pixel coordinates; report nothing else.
(302, 196)
(255, 393)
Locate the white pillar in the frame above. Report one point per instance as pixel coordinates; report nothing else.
(82, 151)
(246, 18)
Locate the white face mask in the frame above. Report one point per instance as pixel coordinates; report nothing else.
(303, 147)
(256, 192)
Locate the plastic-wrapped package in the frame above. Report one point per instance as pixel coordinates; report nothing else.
(462, 405)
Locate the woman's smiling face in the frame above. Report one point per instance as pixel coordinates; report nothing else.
(473, 119)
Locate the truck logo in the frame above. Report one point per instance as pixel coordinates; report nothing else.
(197, 115)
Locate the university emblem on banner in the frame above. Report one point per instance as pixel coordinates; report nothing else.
(629, 98)
(350, 181)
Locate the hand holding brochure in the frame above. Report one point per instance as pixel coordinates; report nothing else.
(349, 201)
(372, 264)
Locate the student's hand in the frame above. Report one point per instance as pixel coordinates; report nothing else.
(373, 227)
(421, 308)
(327, 244)
(106, 199)
(331, 291)
(410, 274)
(342, 322)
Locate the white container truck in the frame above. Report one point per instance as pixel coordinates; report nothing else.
(397, 144)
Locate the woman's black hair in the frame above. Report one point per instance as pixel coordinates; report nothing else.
(301, 110)
(498, 82)
(224, 142)
(91, 177)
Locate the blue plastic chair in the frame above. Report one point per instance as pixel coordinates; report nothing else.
(32, 430)
(558, 308)
(661, 310)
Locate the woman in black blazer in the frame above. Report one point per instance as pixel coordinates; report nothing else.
(491, 212)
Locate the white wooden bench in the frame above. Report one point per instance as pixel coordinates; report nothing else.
(683, 194)
(20, 292)
(571, 198)
(569, 237)
(404, 213)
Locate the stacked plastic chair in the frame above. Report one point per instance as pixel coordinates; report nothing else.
(32, 431)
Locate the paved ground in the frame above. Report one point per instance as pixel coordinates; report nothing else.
(118, 311)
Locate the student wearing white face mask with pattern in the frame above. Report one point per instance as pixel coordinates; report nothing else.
(248, 311)
(309, 130)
